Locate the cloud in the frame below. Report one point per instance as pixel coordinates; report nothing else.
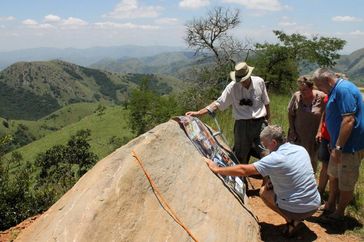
(166, 21)
(112, 25)
(346, 19)
(266, 5)
(52, 18)
(286, 22)
(193, 4)
(130, 9)
(74, 22)
(7, 18)
(29, 22)
(357, 33)
(53, 22)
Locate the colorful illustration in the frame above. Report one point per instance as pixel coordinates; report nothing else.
(201, 136)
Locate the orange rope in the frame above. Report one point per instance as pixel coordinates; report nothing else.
(161, 199)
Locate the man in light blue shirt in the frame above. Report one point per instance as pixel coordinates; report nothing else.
(294, 195)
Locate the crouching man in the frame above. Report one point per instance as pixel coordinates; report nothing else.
(294, 195)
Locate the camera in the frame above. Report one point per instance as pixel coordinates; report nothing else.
(247, 102)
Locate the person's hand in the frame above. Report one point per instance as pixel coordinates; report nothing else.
(318, 137)
(269, 185)
(336, 156)
(211, 164)
(267, 118)
(193, 113)
(292, 135)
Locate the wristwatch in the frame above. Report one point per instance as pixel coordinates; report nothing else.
(338, 148)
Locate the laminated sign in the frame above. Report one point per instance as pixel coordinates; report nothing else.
(209, 146)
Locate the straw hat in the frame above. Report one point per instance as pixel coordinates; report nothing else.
(242, 72)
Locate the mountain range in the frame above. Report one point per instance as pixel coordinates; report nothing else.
(180, 64)
(177, 64)
(82, 57)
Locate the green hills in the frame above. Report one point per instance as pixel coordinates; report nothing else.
(353, 65)
(32, 90)
(177, 64)
(108, 126)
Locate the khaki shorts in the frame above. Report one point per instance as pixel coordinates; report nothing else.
(347, 171)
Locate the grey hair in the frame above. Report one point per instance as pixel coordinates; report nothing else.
(274, 132)
(323, 74)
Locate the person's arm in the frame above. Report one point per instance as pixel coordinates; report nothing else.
(212, 107)
(268, 113)
(292, 135)
(238, 170)
(319, 134)
(346, 127)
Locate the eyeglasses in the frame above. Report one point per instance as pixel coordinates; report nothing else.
(262, 146)
(247, 102)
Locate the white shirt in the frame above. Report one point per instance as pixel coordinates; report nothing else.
(234, 92)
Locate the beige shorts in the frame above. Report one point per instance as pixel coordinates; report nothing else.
(347, 171)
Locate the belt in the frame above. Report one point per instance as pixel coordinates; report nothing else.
(253, 119)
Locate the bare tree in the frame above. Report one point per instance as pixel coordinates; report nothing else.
(232, 49)
(211, 33)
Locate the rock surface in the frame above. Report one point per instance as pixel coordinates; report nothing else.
(115, 202)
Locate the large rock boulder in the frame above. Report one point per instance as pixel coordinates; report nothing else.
(114, 201)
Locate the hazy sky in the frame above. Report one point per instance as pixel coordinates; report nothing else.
(88, 23)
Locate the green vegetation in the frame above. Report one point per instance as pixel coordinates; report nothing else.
(61, 166)
(111, 125)
(23, 104)
(279, 64)
(32, 90)
(153, 83)
(35, 187)
(33, 130)
(36, 175)
(147, 108)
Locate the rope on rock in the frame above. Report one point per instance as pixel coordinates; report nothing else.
(161, 199)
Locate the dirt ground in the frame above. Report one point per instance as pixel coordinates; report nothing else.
(10, 234)
(271, 224)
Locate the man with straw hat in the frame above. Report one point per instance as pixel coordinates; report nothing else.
(249, 99)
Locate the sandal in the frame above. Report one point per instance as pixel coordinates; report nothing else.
(292, 228)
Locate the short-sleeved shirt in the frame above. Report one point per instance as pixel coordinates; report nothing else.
(234, 92)
(345, 99)
(292, 176)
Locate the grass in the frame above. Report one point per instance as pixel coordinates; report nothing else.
(112, 123)
(55, 121)
(279, 116)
